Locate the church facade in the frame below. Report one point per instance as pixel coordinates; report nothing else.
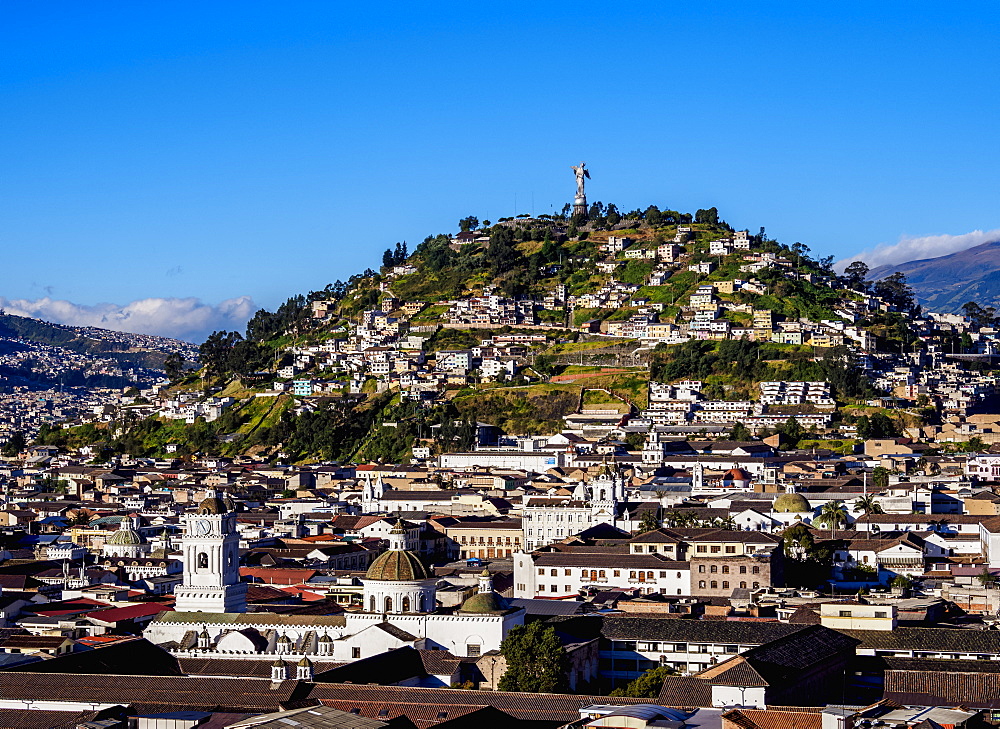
(399, 609)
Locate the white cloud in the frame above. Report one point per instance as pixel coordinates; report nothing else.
(189, 318)
(915, 249)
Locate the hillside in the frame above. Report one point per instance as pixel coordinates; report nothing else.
(945, 283)
(528, 325)
(40, 354)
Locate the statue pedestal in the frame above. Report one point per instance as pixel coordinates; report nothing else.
(580, 205)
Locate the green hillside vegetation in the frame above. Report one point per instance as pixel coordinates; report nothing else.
(524, 257)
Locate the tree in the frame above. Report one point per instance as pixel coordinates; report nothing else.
(536, 660)
(986, 578)
(469, 223)
(901, 582)
(709, 217)
(856, 276)
(792, 430)
(832, 514)
(979, 316)
(14, 445)
(173, 366)
(653, 216)
(739, 432)
(80, 517)
(895, 291)
(880, 478)
(868, 504)
(648, 522)
(648, 685)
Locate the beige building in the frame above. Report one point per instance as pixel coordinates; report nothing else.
(485, 539)
(854, 615)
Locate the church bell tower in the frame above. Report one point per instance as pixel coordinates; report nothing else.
(211, 560)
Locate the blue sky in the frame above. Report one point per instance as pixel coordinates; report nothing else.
(162, 159)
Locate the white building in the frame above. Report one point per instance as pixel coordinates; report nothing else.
(399, 600)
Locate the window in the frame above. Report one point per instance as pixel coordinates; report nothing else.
(663, 573)
(618, 573)
(355, 652)
(555, 588)
(714, 568)
(731, 649)
(472, 650)
(566, 572)
(715, 585)
(701, 584)
(520, 586)
(602, 574)
(730, 549)
(725, 569)
(631, 575)
(716, 549)
(881, 614)
(756, 585)
(569, 588)
(743, 585)
(701, 548)
(554, 572)
(541, 570)
(637, 548)
(725, 584)
(651, 549)
(701, 568)
(756, 570)
(743, 569)
(844, 613)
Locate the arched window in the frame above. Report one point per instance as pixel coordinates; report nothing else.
(756, 585)
(725, 584)
(756, 570)
(388, 604)
(743, 569)
(743, 585)
(202, 561)
(715, 585)
(372, 604)
(603, 574)
(725, 569)
(714, 569)
(406, 604)
(701, 584)
(701, 568)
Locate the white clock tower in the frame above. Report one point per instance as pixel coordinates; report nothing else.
(211, 561)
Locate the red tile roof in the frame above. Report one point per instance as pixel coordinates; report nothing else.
(118, 615)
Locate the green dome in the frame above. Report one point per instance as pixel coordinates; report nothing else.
(484, 602)
(791, 503)
(212, 505)
(397, 565)
(125, 537)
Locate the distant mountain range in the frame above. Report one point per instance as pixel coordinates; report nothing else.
(943, 284)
